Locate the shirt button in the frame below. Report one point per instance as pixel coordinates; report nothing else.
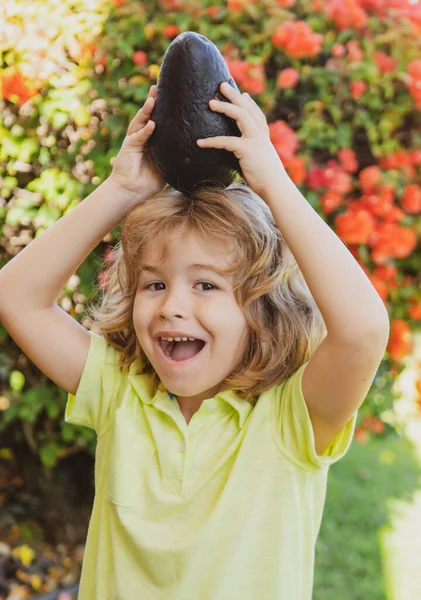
(182, 446)
(212, 407)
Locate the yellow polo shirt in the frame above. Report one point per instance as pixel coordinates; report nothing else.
(227, 507)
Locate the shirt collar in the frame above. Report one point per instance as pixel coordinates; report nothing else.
(142, 385)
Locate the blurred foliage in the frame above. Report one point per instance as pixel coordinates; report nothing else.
(340, 84)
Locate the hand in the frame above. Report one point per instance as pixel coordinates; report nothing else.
(133, 169)
(258, 158)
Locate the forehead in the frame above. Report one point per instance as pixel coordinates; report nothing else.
(188, 247)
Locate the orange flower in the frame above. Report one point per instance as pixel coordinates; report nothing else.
(369, 178)
(400, 340)
(400, 160)
(286, 3)
(170, 31)
(389, 274)
(296, 169)
(355, 52)
(380, 286)
(331, 201)
(360, 435)
(355, 226)
(238, 5)
(297, 39)
(15, 87)
(288, 78)
(391, 240)
(358, 88)
(373, 424)
(284, 139)
(348, 160)
(411, 198)
(414, 310)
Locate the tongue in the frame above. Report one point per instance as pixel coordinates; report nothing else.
(185, 350)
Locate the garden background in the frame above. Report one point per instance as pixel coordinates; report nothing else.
(340, 84)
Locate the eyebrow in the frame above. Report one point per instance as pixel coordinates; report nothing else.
(196, 266)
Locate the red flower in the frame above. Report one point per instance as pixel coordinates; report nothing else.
(348, 160)
(384, 62)
(249, 77)
(358, 88)
(400, 340)
(414, 68)
(338, 50)
(316, 178)
(297, 39)
(347, 14)
(284, 139)
(212, 11)
(170, 31)
(140, 58)
(411, 199)
(288, 78)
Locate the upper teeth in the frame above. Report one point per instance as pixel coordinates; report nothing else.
(178, 339)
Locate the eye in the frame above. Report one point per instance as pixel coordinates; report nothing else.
(149, 286)
(212, 287)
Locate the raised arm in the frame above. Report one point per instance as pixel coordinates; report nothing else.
(30, 283)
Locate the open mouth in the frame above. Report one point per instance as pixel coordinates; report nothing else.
(181, 350)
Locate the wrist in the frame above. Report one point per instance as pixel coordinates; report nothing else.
(278, 178)
(123, 195)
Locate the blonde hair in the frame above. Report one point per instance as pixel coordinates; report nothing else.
(285, 324)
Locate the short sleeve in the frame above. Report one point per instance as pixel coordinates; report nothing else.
(293, 430)
(97, 393)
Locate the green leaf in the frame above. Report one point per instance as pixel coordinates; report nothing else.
(49, 453)
(17, 381)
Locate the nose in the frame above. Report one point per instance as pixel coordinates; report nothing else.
(174, 304)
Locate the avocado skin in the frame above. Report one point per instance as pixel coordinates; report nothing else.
(191, 73)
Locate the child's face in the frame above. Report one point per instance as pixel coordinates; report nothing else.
(176, 297)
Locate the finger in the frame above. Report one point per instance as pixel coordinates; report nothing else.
(153, 90)
(256, 113)
(241, 115)
(232, 94)
(230, 143)
(140, 137)
(142, 116)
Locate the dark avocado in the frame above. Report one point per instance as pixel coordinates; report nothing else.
(191, 73)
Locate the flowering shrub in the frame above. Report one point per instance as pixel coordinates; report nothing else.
(339, 82)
